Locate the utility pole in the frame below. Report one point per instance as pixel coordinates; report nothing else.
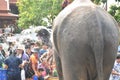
(106, 5)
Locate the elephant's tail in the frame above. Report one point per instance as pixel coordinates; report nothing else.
(97, 44)
(98, 53)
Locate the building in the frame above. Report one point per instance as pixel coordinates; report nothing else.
(13, 7)
(7, 18)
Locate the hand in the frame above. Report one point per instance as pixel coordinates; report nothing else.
(35, 72)
(118, 74)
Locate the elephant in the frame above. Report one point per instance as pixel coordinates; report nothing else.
(85, 40)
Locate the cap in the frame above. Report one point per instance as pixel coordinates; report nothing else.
(35, 50)
(20, 47)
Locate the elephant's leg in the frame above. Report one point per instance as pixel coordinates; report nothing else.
(58, 65)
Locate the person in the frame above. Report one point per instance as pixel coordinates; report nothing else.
(2, 55)
(38, 75)
(38, 44)
(20, 52)
(54, 71)
(1, 60)
(48, 56)
(10, 48)
(115, 74)
(1, 50)
(28, 50)
(28, 76)
(13, 65)
(34, 60)
(118, 49)
(43, 50)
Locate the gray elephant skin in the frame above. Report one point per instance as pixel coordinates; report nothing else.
(85, 41)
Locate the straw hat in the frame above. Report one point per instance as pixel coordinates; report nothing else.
(20, 47)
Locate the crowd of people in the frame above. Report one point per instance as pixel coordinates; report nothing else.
(34, 60)
(28, 61)
(115, 73)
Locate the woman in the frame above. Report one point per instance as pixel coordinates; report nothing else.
(28, 74)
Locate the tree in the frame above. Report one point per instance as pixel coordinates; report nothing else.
(114, 9)
(96, 1)
(32, 12)
(115, 12)
(117, 0)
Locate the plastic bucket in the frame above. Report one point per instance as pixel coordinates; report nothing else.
(53, 78)
(3, 74)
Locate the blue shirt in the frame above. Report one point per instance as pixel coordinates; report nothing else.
(119, 48)
(37, 78)
(13, 63)
(41, 52)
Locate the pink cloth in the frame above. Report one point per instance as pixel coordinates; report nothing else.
(44, 73)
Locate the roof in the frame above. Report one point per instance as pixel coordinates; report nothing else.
(3, 5)
(8, 16)
(4, 12)
(13, 1)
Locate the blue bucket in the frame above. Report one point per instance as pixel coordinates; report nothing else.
(3, 74)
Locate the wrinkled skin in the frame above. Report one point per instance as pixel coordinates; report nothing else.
(85, 42)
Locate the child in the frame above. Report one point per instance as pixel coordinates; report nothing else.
(38, 75)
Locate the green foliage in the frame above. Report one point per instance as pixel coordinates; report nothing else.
(117, 0)
(115, 12)
(97, 1)
(103, 1)
(32, 12)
